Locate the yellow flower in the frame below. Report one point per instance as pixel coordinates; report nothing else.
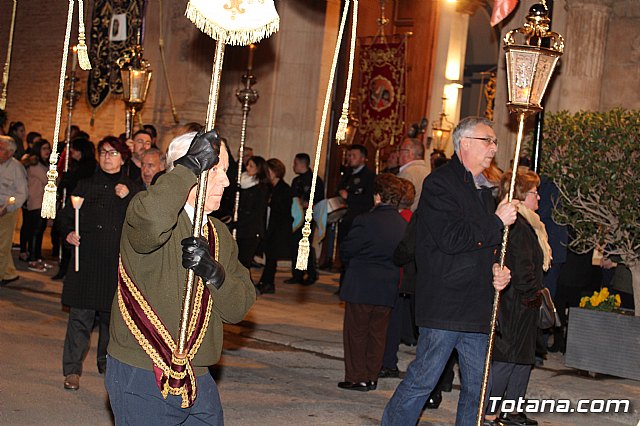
(604, 293)
(583, 301)
(618, 301)
(595, 300)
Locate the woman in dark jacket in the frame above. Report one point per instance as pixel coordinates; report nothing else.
(82, 164)
(528, 256)
(90, 291)
(277, 241)
(252, 210)
(370, 286)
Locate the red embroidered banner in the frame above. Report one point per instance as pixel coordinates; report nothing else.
(382, 89)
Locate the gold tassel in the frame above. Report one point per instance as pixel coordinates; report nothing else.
(50, 192)
(304, 246)
(343, 123)
(83, 52)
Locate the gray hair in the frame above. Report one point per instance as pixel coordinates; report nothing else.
(465, 126)
(11, 144)
(178, 147)
(155, 150)
(417, 149)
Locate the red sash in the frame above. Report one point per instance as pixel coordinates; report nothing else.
(173, 375)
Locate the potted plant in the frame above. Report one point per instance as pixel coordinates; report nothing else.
(593, 159)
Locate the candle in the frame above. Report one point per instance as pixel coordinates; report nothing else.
(11, 201)
(76, 202)
(74, 59)
(252, 47)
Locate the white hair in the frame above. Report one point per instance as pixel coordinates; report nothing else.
(178, 148)
(11, 144)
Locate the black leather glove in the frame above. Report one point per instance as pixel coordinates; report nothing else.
(203, 153)
(195, 256)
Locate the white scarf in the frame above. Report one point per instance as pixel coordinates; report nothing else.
(534, 220)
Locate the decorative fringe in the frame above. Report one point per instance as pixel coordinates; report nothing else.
(239, 37)
(50, 191)
(83, 54)
(304, 247)
(341, 133)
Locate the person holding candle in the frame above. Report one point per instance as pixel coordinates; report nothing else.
(13, 194)
(89, 292)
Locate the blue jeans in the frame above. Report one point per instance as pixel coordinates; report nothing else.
(136, 399)
(433, 351)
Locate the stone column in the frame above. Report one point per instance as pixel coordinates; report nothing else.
(583, 61)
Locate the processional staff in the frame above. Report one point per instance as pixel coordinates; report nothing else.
(247, 97)
(233, 24)
(529, 69)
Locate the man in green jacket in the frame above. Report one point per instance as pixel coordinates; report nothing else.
(147, 383)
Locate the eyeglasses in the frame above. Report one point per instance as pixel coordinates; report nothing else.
(487, 141)
(104, 153)
(533, 192)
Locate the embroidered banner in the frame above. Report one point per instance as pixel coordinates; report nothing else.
(382, 89)
(114, 28)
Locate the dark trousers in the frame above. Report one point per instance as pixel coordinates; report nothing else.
(33, 227)
(509, 381)
(136, 399)
(312, 272)
(77, 340)
(247, 249)
(364, 335)
(390, 359)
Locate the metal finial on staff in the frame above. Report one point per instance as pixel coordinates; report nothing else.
(529, 69)
(7, 64)
(247, 96)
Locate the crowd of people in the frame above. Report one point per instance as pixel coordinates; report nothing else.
(418, 244)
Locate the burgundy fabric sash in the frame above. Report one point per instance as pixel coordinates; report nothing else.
(174, 375)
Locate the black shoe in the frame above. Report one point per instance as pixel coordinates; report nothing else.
(357, 386)
(434, 400)
(447, 387)
(309, 280)
(293, 280)
(515, 419)
(487, 422)
(7, 281)
(373, 385)
(389, 372)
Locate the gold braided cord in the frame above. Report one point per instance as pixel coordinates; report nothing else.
(49, 198)
(343, 122)
(5, 73)
(176, 119)
(83, 52)
(303, 245)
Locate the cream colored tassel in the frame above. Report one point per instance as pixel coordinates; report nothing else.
(304, 245)
(83, 52)
(49, 198)
(343, 122)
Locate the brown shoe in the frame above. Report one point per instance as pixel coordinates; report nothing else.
(72, 382)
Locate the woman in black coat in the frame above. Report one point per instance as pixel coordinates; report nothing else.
(528, 256)
(277, 241)
(252, 210)
(89, 292)
(370, 286)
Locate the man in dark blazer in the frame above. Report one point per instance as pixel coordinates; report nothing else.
(356, 187)
(457, 235)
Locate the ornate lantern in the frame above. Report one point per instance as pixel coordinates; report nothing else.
(441, 129)
(136, 74)
(530, 65)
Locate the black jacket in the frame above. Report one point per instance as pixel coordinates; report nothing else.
(360, 188)
(252, 211)
(457, 233)
(277, 243)
(371, 277)
(520, 302)
(101, 220)
(405, 256)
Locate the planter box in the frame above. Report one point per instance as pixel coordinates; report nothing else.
(603, 342)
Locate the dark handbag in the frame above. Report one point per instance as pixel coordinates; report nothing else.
(548, 317)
